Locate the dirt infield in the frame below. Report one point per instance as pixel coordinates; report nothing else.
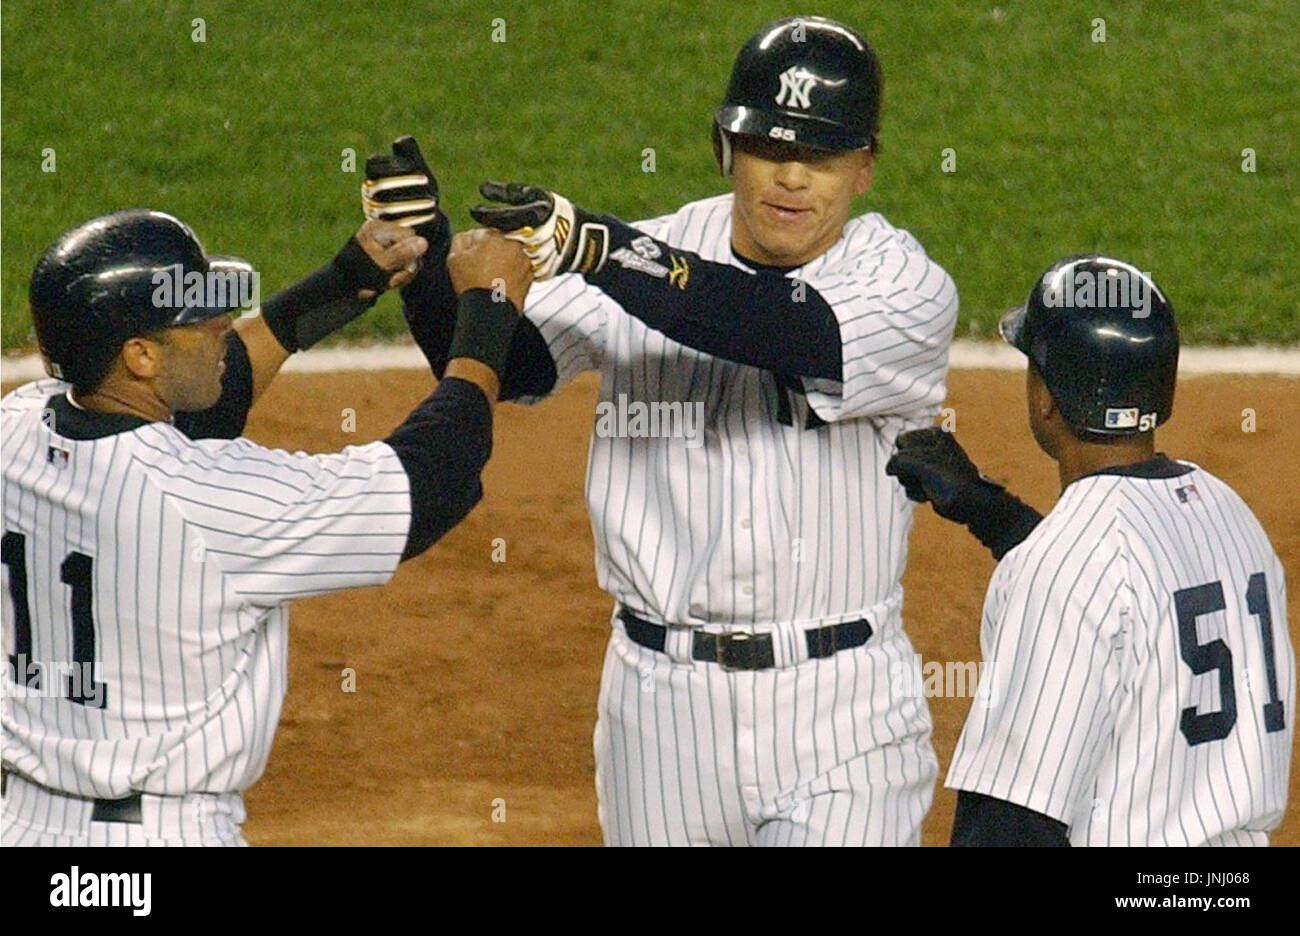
(476, 680)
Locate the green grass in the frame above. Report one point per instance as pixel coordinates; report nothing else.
(1062, 145)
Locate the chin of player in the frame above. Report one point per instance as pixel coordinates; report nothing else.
(213, 395)
(789, 243)
(196, 399)
(780, 248)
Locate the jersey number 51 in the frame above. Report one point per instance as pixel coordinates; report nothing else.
(1191, 603)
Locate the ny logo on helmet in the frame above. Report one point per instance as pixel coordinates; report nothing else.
(796, 85)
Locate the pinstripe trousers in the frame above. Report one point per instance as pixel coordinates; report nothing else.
(816, 752)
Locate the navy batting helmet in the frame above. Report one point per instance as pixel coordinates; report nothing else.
(1103, 337)
(807, 80)
(111, 279)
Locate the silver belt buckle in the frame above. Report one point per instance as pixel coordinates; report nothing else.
(724, 641)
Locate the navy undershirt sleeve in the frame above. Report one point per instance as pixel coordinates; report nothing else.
(983, 821)
(429, 306)
(762, 319)
(443, 445)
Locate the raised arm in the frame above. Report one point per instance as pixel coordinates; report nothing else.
(381, 255)
(401, 187)
(328, 522)
(761, 319)
(446, 440)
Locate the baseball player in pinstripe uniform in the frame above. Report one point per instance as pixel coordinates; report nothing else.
(149, 555)
(1143, 688)
(754, 553)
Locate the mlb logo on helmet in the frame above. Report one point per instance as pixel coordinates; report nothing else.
(1122, 418)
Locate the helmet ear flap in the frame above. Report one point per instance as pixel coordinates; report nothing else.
(722, 149)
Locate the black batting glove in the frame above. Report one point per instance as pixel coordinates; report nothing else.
(558, 236)
(401, 187)
(932, 467)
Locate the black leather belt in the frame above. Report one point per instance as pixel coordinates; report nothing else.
(746, 651)
(118, 810)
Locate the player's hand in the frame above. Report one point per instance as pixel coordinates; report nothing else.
(394, 249)
(558, 236)
(932, 467)
(487, 259)
(401, 187)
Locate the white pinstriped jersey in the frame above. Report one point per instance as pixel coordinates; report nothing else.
(1144, 678)
(761, 522)
(166, 564)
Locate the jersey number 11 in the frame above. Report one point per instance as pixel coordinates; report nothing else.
(77, 570)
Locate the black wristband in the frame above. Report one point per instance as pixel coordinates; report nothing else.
(357, 269)
(484, 328)
(324, 301)
(1000, 520)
